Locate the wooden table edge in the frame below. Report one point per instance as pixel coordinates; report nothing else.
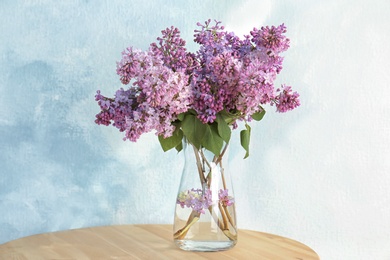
(162, 230)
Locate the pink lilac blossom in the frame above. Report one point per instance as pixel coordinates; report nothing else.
(226, 73)
(224, 198)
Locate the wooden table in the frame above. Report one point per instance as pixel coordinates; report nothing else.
(145, 242)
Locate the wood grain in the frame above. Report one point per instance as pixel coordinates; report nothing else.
(145, 242)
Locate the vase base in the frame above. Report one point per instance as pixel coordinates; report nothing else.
(204, 246)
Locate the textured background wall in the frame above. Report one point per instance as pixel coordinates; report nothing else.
(319, 174)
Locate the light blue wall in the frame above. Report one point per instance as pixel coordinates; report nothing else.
(58, 169)
(318, 174)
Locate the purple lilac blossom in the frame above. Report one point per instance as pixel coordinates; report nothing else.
(195, 199)
(157, 95)
(199, 201)
(226, 73)
(286, 100)
(271, 39)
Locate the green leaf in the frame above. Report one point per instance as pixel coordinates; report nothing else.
(211, 140)
(172, 141)
(179, 147)
(259, 115)
(228, 117)
(204, 135)
(224, 130)
(193, 129)
(181, 116)
(245, 139)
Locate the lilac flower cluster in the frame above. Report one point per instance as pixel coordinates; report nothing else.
(238, 75)
(195, 199)
(158, 94)
(226, 74)
(200, 201)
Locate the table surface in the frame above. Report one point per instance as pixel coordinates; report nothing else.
(145, 242)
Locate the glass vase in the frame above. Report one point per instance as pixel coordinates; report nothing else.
(205, 215)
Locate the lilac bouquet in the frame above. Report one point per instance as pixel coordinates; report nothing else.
(197, 99)
(199, 96)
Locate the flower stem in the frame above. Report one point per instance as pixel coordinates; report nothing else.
(224, 218)
(199, 165)
(229, 217)
(201, 162)
(181, 233)
(221, 224)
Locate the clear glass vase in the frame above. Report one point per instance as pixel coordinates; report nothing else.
(205, 215)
